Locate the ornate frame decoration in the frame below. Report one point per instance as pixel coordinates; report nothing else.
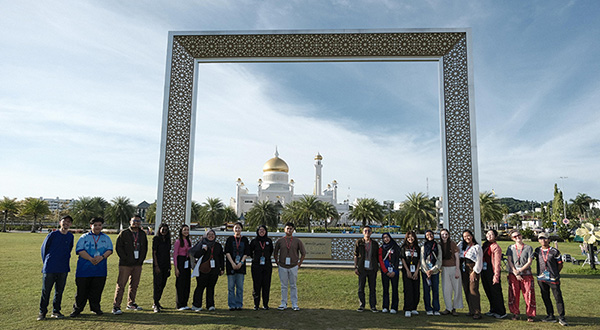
(451, 48)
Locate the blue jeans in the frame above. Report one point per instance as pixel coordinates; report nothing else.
(58, 280)
(235, 288)
(435, 289)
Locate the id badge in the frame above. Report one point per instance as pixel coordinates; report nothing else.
(288, 260)
(186, 264)
(262, 261)
(97, 253)
(429, 265)
(546, 275)
(367, 264)
(136, 254)
(237, 259)
(212, 263)
(413, 268)
(390, 269)
(463, 268)
(484, 265)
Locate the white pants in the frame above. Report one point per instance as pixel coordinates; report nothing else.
(288, 277)
(452, 288)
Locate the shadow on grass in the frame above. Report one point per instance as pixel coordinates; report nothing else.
(304, 319)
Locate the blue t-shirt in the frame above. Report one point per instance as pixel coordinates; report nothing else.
(94, 245)
(56, 252)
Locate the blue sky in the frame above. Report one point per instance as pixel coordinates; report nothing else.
(82, 84)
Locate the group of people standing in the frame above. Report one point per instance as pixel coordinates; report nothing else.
(460, 265)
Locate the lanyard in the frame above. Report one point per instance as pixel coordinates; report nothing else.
(289, 244)
(211, 251)
(96, 240)
(135, 239)
(546, 256)
(262, 246)
(467, 250)
(237, 244)
(519, 252)
(367, 247)
(412, 254)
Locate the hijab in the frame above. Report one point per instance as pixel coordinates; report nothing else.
(262, 238)
(387, 246)
(206, 241)
(431, 248)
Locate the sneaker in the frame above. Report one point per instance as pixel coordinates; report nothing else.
(385, 310)
(57, 315)
(296, 308)
(549, 318)
(282, 307)
(498, 316)
(393, 311)
(266, 308)
(98, 312)
(414, 312)
(255, 308)
(211, 308)
(196, 309)
(436, 313)
(115, 311)
(41, 317)
(134, 307)
(75, 313)
(184, 308)
(563, 322)
(407, 314)
(360, 309)
(238, 308)
(374, 310)
(430, 313)
(156, 309)
(530, 319)
(489, 314)
(446, 312)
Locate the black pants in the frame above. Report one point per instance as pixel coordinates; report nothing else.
(182, 283)
(545, 288)
(471, 289)
(411, 292)
(160, 281)
(385, 281)
(88, 288)
(208, 282)
(371, 276)
(261, 278)
(493, 291)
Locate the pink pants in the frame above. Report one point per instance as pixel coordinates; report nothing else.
(515, 287)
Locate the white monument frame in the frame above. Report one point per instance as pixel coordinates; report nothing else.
(451, 48)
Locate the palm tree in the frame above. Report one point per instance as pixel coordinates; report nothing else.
(491, 210)
(8, 206)
(85, 208)
(329, 211)
(212, 213)
(229, 215)
(197, 209)
(151, 213)
(308, 208)
(120, 211)
(581, 204)
(419, 211)
(34, 207)
(367, 210)
(262, 213)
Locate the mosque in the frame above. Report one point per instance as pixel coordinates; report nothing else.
(275, 186)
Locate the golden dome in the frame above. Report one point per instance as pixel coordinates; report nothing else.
(276, 164)
(318, 157)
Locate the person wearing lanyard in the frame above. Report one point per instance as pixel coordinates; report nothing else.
(286, 252)
(431, 263)
(451, 282)
(366, 263)
(411, 262)
(181, 263)
(210, 267)
(131, 246)
(490, 275)
(471, 265)
(261, 249)
(520, 278)
(161, 259)
(237, 248)
(549, 265)
(389, 261)
(93, 248)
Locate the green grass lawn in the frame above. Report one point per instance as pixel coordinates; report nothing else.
(327, 297)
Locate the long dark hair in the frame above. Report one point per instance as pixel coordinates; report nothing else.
(446, 247)
(463, 243)
(414, 236)
(166, 237)
(181, 237)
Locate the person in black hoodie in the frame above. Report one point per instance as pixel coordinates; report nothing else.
(211, 267)
(261, 249)
(161, 259)
(389, 261)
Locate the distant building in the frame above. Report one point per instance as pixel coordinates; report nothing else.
(57, 205)
(276, 187)
(142, 209)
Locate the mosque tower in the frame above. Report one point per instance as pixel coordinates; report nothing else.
(318, 178)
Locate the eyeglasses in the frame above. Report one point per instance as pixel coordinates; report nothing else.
(515, 236)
